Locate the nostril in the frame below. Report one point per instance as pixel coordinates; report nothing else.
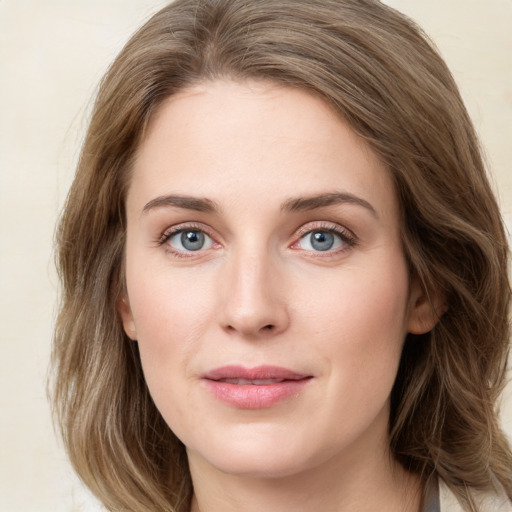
(268, 327)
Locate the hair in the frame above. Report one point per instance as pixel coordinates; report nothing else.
(383, 77)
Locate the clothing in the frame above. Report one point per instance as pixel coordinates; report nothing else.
(431, 499)
(439, 498)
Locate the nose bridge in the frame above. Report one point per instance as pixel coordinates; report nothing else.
(254, 302)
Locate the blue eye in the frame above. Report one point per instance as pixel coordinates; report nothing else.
(321, 241)
(190, 240)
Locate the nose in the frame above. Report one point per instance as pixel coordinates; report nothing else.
(254, 304)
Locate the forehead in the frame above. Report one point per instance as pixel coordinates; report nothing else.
(225, 139)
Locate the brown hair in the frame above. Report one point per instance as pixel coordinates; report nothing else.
(377, 69)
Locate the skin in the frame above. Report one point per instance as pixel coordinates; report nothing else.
(258, 293)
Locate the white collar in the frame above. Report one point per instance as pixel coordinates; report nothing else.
(486, 502)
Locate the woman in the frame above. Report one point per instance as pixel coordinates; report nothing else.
(284, 272)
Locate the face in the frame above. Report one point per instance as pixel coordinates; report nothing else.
(266, 284)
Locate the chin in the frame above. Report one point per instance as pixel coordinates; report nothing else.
(263, 467)
(264, 456)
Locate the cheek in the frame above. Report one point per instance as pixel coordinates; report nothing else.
(170, 318)
(172, 311)
(360, 304)
(360, 319)
(168, 304)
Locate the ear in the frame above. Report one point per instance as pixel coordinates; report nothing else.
(425, 308)
(125, 312)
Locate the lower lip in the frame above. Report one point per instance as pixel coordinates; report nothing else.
(254, 396)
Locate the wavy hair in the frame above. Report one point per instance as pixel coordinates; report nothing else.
(381, 74)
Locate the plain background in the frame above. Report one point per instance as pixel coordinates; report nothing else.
(52, 55)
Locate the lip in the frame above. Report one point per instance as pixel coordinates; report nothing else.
(254, 388)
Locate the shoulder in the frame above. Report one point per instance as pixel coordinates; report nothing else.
(486, 502)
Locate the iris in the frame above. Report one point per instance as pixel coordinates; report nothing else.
(321, 240)
(192, 240)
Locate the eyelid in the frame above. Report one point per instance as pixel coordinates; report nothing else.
(326, 226)
(184, 226)
(173, 230)
(348, 237)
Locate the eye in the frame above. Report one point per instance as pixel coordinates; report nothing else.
(189, 240)
(324, 240)
(320, 241)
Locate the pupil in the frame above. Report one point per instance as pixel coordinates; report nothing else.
(192, 240)
(322, 241)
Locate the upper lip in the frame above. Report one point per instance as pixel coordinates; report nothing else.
(264, 372)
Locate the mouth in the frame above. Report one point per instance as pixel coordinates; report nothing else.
(258, 375)
(255, 388)
(255, 382)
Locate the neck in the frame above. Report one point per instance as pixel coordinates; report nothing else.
(361, 486)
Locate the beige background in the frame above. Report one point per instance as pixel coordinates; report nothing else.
(52, 54)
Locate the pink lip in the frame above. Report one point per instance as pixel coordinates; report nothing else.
(254, 388)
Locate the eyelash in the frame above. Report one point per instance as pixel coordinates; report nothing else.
(347, 237)
(180, 228)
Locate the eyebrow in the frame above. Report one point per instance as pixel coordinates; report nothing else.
(198, 204)
(298, 204)
(322, 200)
